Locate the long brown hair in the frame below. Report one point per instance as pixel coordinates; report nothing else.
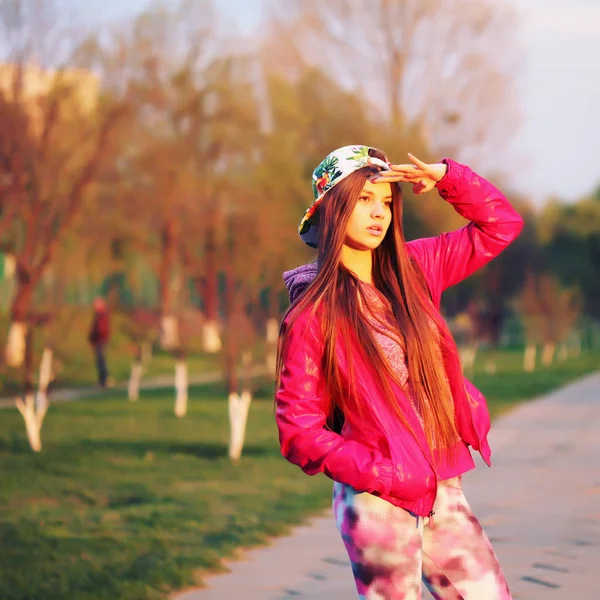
(337, 295)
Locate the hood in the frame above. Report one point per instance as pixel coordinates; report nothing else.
(298, 279)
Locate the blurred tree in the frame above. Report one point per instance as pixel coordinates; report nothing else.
(56, 123)
(570, 247)
(237, 221)
(432, 64)
(168, 152)
(549, 313)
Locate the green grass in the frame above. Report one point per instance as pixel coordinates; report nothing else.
(511, 385)
(126, 502)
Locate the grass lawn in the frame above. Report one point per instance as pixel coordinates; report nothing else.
(511, 385)
(126, 502)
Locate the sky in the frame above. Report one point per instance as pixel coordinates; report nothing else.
(557, 148)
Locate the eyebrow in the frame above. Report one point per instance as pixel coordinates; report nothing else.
(367, 193)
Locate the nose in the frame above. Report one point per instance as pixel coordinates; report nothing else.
(377, 210)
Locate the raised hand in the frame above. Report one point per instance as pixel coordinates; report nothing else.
(422, 176)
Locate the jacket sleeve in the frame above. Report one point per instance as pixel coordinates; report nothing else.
(452, 257)
(301, 418)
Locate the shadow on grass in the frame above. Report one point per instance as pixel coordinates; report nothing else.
(262, 390)
(208, 450)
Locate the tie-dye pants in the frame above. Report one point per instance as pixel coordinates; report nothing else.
(391, 550)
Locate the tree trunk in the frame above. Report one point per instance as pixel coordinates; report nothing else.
(34, 418)
(468, 356)
(45, 379)
(181, 388)
(529, 358)
(239, 405)
(135, 378)
(15, 346)
(169, 332)
(548, 353)
(210, 293)
(211, 338)
(145, 353)
(14, 353)
(272, 337)
(271, 362)
(272, 330)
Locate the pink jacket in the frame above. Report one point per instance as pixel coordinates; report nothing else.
(374, 452)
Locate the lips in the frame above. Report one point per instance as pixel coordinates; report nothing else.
(375, 228)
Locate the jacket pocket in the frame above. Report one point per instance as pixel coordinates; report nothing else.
(412, 475)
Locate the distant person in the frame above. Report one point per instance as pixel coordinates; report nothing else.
(98, 337)
(370, 389)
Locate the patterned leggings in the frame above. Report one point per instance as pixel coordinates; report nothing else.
(391, 550)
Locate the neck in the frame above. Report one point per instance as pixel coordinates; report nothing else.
(360, 262)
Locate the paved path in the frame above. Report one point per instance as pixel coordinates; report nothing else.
(540, 505)
(153, 383)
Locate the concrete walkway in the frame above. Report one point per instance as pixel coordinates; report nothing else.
(539, 504)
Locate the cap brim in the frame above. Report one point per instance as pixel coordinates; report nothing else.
(310, 236)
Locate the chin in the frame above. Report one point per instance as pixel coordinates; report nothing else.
(365, 245)
(373, 242)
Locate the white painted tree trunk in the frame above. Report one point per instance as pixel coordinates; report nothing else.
(548, 353)
(169, 332)
(239, 405)
(468, 356)
(272, 362)
(211, 337)
(272, 337)
(45, 378)
(10, 266)
(272, 330)
(135, 378)
(529, 358)
(181, 388)
(34, 418)
(14, 352)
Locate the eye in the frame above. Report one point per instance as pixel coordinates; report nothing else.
(365, 198)
(388, 203)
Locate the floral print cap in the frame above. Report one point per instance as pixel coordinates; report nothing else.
(337, 166)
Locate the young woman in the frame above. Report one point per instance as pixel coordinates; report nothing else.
(370, 388)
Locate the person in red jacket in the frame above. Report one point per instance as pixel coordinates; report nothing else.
(370, 390)
(98, 337)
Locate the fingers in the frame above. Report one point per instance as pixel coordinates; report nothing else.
(418, 162)
(404, 168)
(403, 171)
(396, 177)
(418, 165)
(422, 187)
(418, 173)
(390, 178)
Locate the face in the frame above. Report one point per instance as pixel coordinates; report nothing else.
(371, 217)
